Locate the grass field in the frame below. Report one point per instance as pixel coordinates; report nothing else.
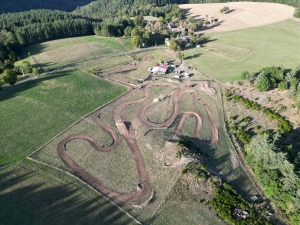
(271, 45)
(33, 112)
(36, 194)
(117, 169)
(52, 54)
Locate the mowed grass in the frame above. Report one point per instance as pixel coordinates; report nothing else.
(52, 54)
(34, 112)
(36, 194)
(227, 51)
(271, 45)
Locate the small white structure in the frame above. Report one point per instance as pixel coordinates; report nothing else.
(187, 75)
(176, 76)
(254, 198)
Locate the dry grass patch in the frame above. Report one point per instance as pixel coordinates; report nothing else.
(274, 99)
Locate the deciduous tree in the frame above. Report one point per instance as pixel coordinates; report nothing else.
(9, 76)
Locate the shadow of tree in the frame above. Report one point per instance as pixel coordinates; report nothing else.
(218, 165)
(12, 91)
(29, 196)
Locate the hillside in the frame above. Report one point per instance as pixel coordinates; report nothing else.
(25, 5)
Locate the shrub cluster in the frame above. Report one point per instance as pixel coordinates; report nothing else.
(272, 77)
(248, 103)
(198, 169)
(187, 149)
(283, 124)
(226, 199)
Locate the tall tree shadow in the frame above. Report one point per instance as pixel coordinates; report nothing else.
(218, 165)
(32, 197)
(13, 91)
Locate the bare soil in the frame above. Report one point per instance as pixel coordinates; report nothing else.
(240, 15)
(128, 131)
(274, 99)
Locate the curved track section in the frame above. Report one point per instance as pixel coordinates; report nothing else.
(176, 98)
(129, 136)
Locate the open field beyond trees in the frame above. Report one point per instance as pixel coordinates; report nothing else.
(53, 54)
(240, 14)
(269, 45)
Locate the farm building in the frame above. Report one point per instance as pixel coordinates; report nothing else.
(160, 69)
(171, 25)
(177, 29)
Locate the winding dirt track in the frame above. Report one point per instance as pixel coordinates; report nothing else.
(129, 136)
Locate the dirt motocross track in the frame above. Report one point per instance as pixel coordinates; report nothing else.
(144, 189)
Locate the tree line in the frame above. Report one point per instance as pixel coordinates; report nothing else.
(26, 5)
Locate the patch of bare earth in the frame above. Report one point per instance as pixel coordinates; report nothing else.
(241, 14)
(274, 99)
(189, 188)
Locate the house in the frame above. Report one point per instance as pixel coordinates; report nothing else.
(152, 21)
(160, 69)
(176, 76)
(178, 29)
(187, 39)
(186, 75)
(171, 25)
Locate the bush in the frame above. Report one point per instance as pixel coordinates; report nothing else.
(264, 84)
(283, 126)
(282, 86)
(297, 14)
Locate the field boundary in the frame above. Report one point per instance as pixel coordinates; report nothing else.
(89, 59)
(236, 148)
(84, 183)
(76, 122)
(233, 59)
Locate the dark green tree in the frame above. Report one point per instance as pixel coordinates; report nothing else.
(9, 76)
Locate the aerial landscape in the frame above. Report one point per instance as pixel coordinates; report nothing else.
(150, 112)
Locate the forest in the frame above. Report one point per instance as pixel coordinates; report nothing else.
(25, 5)
(101, 17)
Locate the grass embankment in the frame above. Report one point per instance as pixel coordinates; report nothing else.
(52, 54)
(274, 44)
(33, 112)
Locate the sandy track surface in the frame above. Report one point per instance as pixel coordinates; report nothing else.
(130, 138)
(241, 14)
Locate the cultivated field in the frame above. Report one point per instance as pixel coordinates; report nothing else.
(133, 139)
(240, 15)
(270, 45)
